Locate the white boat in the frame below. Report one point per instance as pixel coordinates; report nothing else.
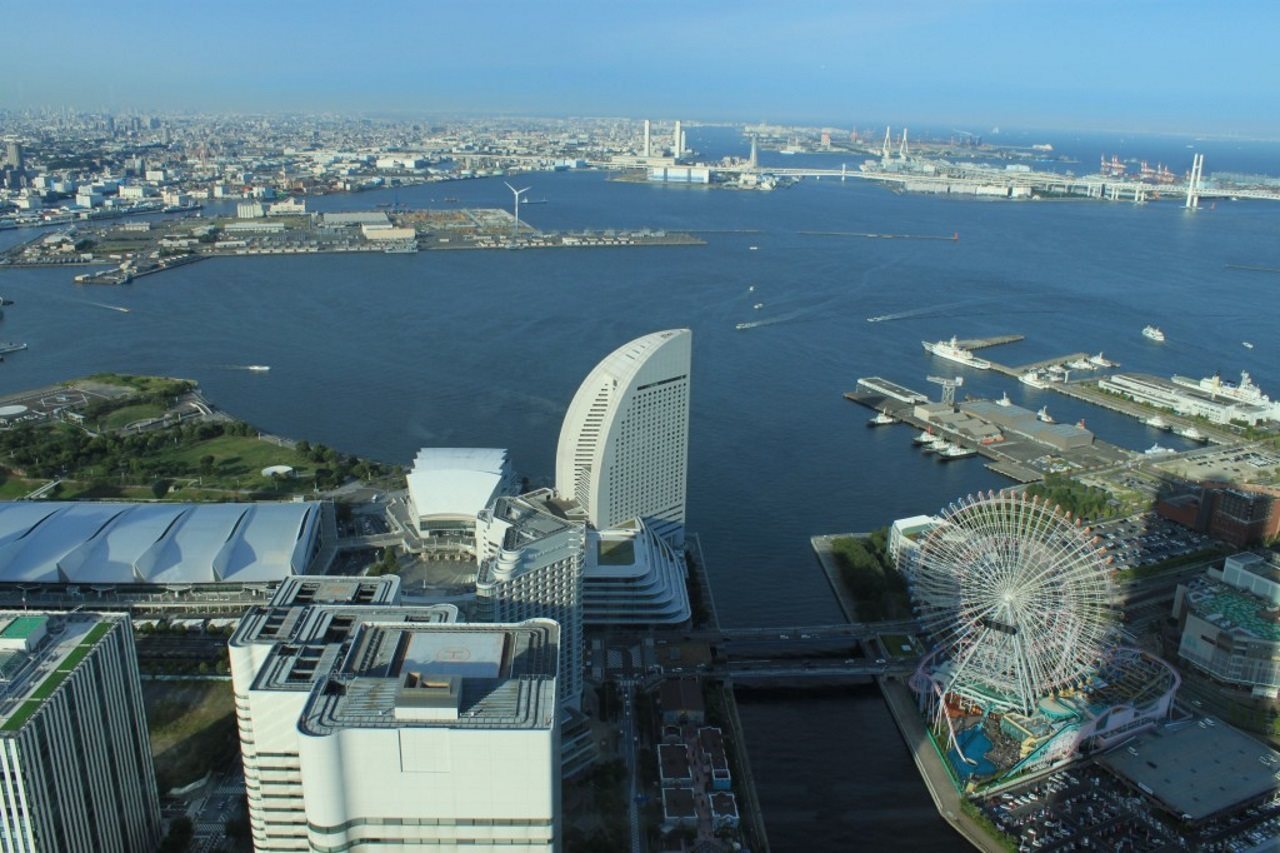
(259, 368)
(957, 451)
(758, 306)
(1246, 345)
(953, 352)
(938, 445)
(753, 248)
(1157, 450)
(1081, 364)
(882, 419)
(1157, 422)
(1153, 333)
(1032, 378)
(1044, 416)
(1004, 400)
(1099, 361)
(1244, 391)
(925, 437)
(1191, 433)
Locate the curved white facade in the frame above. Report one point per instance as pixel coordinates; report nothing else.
(623, 450)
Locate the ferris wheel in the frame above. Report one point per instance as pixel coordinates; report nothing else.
(1016, 597)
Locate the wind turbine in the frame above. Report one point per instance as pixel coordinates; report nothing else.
(517, 193)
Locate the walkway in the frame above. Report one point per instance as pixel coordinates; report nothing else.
(930, 763)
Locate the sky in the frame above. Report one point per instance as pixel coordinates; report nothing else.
(1126, 64)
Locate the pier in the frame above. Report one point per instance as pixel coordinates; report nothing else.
(1015, 372)
(994, 341)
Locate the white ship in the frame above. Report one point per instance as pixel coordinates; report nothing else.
(1033, 379)
(1099, 361)
(1081, 364)
(956, 451)
(952, 352)
(1246, 345)
(938, 445)
(882, 419)
(1157, 422)
(1153, 333)
(925, 437)
(1004, 400)
(1157, 450)
(1244, 392)
(1191, 433)
(258, 368)
(1044, 416)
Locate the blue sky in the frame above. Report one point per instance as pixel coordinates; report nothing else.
(1128, 64)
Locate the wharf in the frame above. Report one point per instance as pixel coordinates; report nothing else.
(1015, 372)
(1089, 392)
(994, 341)
(1018, 457)
(822, 547)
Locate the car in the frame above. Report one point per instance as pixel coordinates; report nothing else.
(881, 661)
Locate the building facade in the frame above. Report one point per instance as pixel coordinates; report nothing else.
(75, 761)
(530, 557)
(623, 449)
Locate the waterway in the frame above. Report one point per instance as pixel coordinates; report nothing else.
(382, 354)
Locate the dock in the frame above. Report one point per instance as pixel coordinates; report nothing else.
(995, 341)
(1015, 372)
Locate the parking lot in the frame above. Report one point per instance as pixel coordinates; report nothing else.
(1086, 808)
(1146, 539)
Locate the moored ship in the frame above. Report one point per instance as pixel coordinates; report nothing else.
(951, 351)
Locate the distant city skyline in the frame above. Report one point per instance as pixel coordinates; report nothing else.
(1142, 65)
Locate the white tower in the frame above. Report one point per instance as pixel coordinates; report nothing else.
(677, 141)
(1193, 181)
(623, 450)
(647, 149)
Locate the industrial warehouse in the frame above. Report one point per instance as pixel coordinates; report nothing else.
(73, 543)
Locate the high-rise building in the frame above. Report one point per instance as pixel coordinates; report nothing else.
(75, 760)
(530, 555)
(367, 725)
(677, 142)
(648, 150)
(623, 449)
(13, 155)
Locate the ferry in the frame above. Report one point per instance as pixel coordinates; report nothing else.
(882, 419)
(1033, 379)
(953, 352)
(925, 437)
(1153, 333)
(1244, 391)
(1157, 422)
(1044, 417)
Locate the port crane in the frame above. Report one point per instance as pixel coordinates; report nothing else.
(949, 387)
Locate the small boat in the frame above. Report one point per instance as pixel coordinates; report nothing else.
(1153, 333)
(751, 288)
(957, 451)
(1246, 345)
(1157, 450)
(925, 437)
(758, 306)
(258, 368)
(1099, 361)
(753, 248)
(1081, 364)
(1033, 379)
(940, 445)
(1044, 417)
(1191, 433)
(1157, 422)
(882, 419)
(1004, 400)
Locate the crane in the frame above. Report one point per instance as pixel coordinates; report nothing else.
(949, 387)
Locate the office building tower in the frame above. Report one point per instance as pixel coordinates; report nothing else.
(677, 142)
(623, 449)
(648, 150)
(13, 155)
(530, 555)
(75, 760)
(367, 725)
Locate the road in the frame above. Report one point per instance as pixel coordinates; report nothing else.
(630, 739)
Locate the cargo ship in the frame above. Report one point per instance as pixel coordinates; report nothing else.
(951, 351)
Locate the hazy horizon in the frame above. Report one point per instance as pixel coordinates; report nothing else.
(1140, 66)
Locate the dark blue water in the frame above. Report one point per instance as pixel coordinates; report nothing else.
(379, 355)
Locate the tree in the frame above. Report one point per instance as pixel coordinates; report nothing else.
(206, 464)
(160, 488)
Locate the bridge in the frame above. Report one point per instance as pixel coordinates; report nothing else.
(764, 670)
(836, 631)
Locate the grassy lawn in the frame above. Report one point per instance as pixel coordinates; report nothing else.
(83, 490)
(894, 643)
(617, 552)
(141, 384)
(12, 488)
(238, 462)
(127, 415)
(192, 726)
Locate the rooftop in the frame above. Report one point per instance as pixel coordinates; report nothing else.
(28, 678)
(1233, 610)
(458, 481)
(459, 676)
(1197, 769)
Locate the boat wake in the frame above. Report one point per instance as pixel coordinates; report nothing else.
(771, 321)
(119, 308)
(916, 312)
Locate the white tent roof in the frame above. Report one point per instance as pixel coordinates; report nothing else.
(457, 482)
